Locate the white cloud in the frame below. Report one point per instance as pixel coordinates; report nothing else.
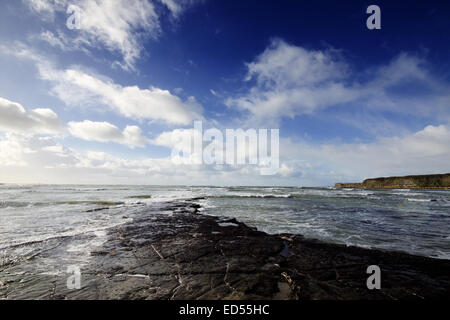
(54, 40)
(106, 132)
(176, 7)
(422, 152)
(28, 159)
(285, 65)
(57, 149)
(289, 81)
(14, 118)
(11, 152)
(27, 151)
(25, 158)
(285, 170)
(180, 138)
(77, 87)
(45, 6)
(20, 50)
(119, 24)
(115, 25)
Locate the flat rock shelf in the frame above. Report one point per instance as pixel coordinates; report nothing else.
(188, 255)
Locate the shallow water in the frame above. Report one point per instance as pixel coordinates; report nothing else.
(414, 221)
(36, 218)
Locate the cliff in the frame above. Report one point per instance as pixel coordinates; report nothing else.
(428, 181)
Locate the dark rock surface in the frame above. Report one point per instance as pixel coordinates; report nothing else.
(186, 255)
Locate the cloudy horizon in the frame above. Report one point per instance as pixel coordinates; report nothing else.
(96, 104)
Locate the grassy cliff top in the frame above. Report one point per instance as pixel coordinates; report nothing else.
(427, 181)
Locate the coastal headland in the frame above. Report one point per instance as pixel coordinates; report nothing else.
(429, 181)
(183, 254)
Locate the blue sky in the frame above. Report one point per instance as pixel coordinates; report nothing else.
(96, 104)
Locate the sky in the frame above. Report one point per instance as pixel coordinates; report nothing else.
(99, 92)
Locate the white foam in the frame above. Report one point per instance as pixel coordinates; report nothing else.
(227, 224)
(132, 275)
(419, 200)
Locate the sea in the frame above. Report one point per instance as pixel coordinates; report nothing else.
(37, 218)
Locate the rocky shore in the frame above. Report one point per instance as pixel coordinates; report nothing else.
(182, 254)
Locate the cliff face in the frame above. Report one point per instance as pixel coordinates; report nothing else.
(429, 181)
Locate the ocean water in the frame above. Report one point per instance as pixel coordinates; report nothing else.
(34, 218)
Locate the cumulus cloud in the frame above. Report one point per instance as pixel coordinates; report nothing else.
(291, 81)
(421, 152)
(25, 158)
(14, 118)
(288, 81)
(180, 138)
(79, 88)
(12, 152)
(427, 150)
(28, 159)
(106, 132)
(285, 65)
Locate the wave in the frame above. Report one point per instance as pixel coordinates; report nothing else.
(64, 235)
(420, 200)
(99, 202)
(320, 194)
(144, 196)
(237, 196)
(360, 195)
(21, 204)
(14, 204)
(36, 241)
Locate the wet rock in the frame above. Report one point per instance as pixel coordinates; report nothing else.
(185, 255)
